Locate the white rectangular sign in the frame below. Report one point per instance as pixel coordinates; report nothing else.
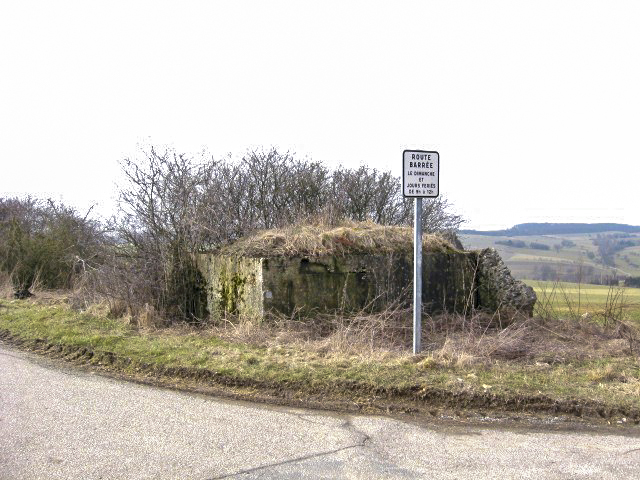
(420, 173)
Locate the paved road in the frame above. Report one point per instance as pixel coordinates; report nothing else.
(61, 423)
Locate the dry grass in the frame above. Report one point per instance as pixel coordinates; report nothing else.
(562, 299)
(562, 359)
(40, 294)
(148, 318)
(317, 240)
(451, 340)
(6, 286)
(448, 340)
(145, 318)
(362, 333)
(477, 342)
(85, 298)
(614, 313)
(529, 340)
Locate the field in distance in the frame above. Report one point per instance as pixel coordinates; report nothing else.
(576, 299)
(592, 257)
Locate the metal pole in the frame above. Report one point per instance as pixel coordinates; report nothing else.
(417, 276)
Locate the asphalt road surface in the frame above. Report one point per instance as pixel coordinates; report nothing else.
(58, 422)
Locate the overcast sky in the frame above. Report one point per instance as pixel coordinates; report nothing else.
(533, 106)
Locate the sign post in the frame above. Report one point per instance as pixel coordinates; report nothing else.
(417, 275)
(420, 179)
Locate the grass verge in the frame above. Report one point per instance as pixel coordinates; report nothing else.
(597, 383)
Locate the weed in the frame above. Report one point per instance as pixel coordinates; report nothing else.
(6, 286)
(315, 240)
(611, 312)
(559, 357)
(602, 374)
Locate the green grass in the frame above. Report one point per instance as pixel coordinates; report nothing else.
(613, 381)
(60, 325)
(580, 299)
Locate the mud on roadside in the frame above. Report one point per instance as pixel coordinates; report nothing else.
(345, 396)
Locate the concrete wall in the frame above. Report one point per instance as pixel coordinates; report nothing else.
(253, 286)
(234, 285)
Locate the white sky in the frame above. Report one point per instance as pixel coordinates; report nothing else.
(533, 105)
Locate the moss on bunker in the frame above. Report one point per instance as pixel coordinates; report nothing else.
(234, 285)
(231, 291)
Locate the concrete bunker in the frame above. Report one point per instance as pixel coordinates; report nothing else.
(307, 270)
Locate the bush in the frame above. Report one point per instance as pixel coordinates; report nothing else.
(512, 243)
(45, 241)
(632, 282)
(539, 246)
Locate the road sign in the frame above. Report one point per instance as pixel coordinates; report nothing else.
(420, 173)
(420, 178)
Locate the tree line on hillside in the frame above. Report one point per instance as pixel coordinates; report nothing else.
(580, 274)
(522, 244)
(535, 245)
(172, 204)
(526, 229)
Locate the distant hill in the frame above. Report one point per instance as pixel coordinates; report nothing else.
(571, 252)
(524, 229)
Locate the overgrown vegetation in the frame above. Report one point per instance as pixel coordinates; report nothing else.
(318, 239)
(554, 362)
(172, 205)
(136, 274)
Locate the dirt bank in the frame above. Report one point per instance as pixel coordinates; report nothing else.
(346, 395)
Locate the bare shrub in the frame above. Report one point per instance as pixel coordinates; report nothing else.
(285, 189)
(123, 283)
(173, 205)
(46, 241)
(368, 194)
(157, 233)
(615, 306)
